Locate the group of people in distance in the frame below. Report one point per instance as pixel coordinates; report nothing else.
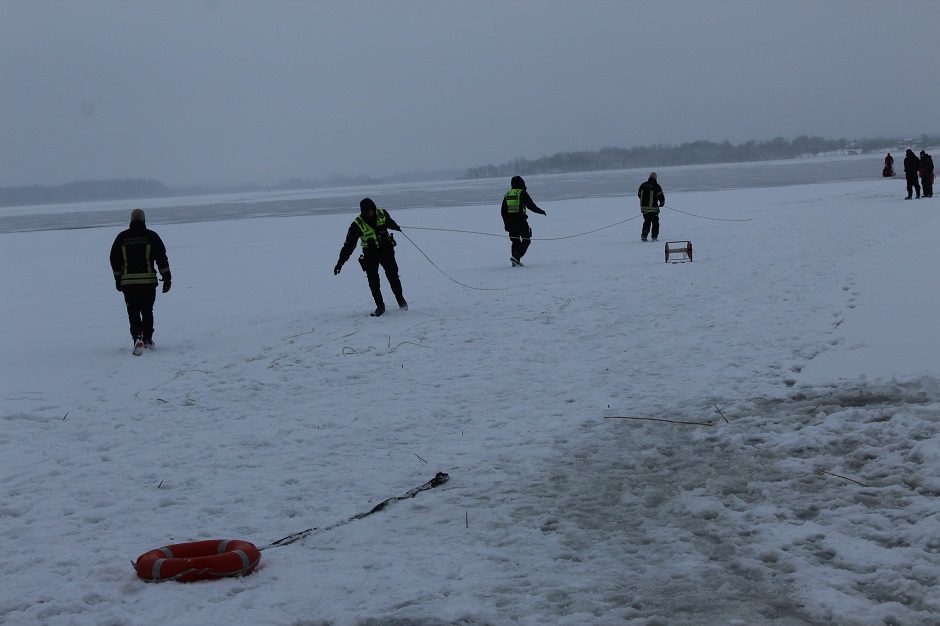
(914, 167)
(138, 255)
(371, 228)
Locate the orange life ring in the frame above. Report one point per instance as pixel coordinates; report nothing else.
(198, 560)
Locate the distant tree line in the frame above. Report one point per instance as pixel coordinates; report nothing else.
(688, 154)
(81, 191)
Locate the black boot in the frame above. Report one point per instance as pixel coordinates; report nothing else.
(379, 310)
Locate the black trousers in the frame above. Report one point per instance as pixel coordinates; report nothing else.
(386, 258)
(927, 183)
(650, 220)
(139, 300)
(521, 237)
(912, 184)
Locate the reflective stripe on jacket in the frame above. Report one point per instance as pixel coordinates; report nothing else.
(651, 197)
(134, 254)
(138, 278)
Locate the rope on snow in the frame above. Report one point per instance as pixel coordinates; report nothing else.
(439, 479)
(477, 232)
(655, 419)
(449, 277)
(705, 217)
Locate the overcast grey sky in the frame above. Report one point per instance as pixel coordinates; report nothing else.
(224, 91)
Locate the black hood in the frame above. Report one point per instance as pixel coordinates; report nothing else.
(517, 182)
(366, 204)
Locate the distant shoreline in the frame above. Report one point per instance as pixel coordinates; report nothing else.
(619, 185)
(606, 159)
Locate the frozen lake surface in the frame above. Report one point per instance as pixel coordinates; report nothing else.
(442, 194)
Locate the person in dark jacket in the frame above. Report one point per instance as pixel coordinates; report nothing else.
(134, 253)
(378, 248)
(889, 166)
(515, 222)
(652, 199)
(911, 169)
(926, 173)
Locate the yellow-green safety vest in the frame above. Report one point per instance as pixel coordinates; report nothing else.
(513, 204)
(367, 234)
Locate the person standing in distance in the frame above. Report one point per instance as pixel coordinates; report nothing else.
(911, 169)
(515, 221)
(888, 169)
(652, 199)
(926, 173)
(134, 253)
(378, 248)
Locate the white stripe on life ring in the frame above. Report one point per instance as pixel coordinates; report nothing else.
(155, 571)
(244, 557)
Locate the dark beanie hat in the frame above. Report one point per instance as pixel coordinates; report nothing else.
(137, 215)
(366, 204)
(517, 182)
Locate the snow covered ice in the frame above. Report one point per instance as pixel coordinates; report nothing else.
(804, 341)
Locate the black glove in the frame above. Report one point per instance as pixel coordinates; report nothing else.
(398, 228)
(166, 284)
(117, 284)
(336, 269)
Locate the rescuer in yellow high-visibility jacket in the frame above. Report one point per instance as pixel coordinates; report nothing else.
(515, 222)
(370, 229)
